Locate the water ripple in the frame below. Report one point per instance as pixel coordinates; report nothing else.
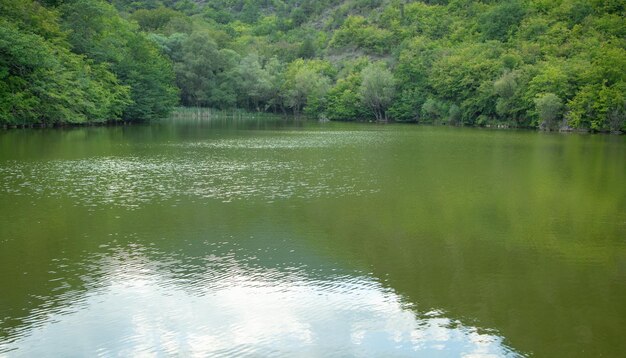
(227, 307)
(292, 140)
(130, 182)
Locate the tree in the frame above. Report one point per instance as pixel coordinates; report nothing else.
(356, 31)
(502, 20)
(255, 82)
(506, 88)
(42, 81)
(162, 20)
(471, 62)
(412, 74)
(344, 100)
(433, 110)
(549, 108)
(197, 71)
(599, 107)
(377, 89)
(306, 84)
(97, 31)
(307, 49)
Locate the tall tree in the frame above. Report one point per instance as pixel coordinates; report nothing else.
(377, 89)
(98, 32)
(306, 85)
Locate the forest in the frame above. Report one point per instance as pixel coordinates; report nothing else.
(548, 64)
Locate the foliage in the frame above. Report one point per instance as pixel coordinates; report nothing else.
(42, 81)
(377, 89)
(344, 103)
(98, 32)
(599, 107)
(355, 31)
(549, 107)
(525, 63)
(162, 20)
(306, 84)
(500, 21)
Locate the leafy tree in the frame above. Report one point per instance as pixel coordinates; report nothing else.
(356, 31)
(171, 46)
(433, 109)
(506, 88)
(466, 76)
(412, 74)
(307, 49)
(255, 82)
(344, 101)
(275, 70)
(42, 81)
(162, 20)
(377, 89)
(305, 86)
(549, 107)
(599, 107)
(428, 20)
(502, 20)
(197, 71)
(150, 78)
(98, 32)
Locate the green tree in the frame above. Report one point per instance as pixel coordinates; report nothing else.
(502, 20)
(433, 110)
(412, 74)
(466, 76)
(306, 84)
(506, 88)
(42, 81)
(344, 100)
(549, 107)
(377, 89)
(162, 20)
(357, 32)
(255, 82)
(599, 108)
(97, 31)
(197, 71)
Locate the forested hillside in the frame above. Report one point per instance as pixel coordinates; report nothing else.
(551, 64)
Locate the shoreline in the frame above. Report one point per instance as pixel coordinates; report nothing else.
(261, 115)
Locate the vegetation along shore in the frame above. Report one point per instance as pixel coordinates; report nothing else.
(555, 65)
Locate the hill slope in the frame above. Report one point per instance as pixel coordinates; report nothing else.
(527, 63)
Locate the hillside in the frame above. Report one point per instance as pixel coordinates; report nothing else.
(533, 63)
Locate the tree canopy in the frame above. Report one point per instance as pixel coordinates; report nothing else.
(460, 61)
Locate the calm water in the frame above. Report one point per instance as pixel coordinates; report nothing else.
(287, 238)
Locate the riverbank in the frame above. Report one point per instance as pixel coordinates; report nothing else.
(65, 125)
(201, 113)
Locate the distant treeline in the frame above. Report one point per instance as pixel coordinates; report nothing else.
(525, 63)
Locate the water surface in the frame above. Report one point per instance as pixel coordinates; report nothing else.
(275, 237)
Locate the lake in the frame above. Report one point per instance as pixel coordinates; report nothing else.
(278, 237)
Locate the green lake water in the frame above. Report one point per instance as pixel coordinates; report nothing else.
(274, 237)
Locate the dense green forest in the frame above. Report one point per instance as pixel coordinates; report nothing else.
(551, 64)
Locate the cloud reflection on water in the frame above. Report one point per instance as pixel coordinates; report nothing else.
(231, 308)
